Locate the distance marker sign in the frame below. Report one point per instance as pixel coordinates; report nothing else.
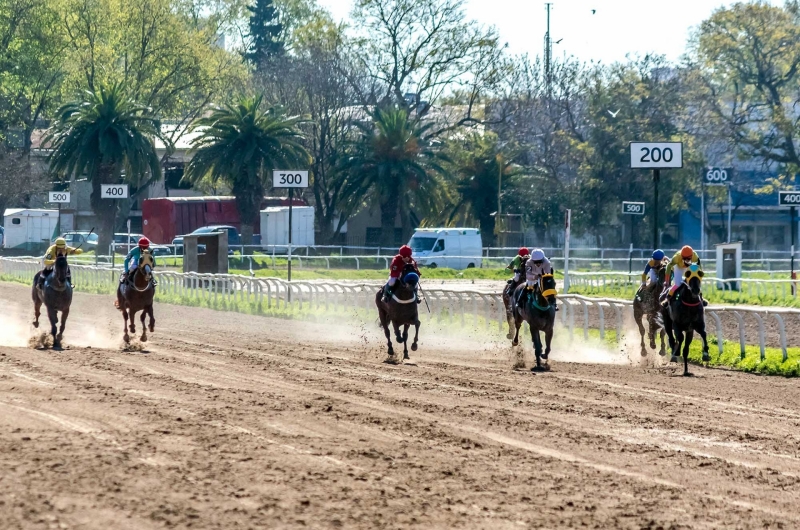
(113, 191)
(789, 198)
(282, 178)
(59, 197)
(656, 155)
(717, 176)
(633, 208)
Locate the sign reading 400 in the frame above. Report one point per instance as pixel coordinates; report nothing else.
(289, 178)
(113, 191)
(789, 198)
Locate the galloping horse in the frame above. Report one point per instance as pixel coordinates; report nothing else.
(400, 310)
(136, 294)
(646, 303)
(56, 295)
(539, 313)
(684, 314)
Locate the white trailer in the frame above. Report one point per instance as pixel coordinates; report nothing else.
(275, 227)
(28, 228)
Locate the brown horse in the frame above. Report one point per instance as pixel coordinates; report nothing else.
(56, 295)
(538, 310)
(400, 310)
(646, 303)
(136, 294)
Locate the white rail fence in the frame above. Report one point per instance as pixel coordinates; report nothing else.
(463, 308)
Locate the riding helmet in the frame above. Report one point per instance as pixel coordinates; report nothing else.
(687, 252)
(524, 251)
(658, 255)
(61, 242)
(405, 251)
(144, 242)
(537, 254)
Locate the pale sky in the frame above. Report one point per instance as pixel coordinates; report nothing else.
(618, 27)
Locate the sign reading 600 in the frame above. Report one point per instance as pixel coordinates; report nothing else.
(717, 176)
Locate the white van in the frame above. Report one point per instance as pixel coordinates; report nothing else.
(455, 248)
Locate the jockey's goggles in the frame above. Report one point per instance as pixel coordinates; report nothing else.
(538, 262)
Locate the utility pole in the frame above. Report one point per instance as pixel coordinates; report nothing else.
(548, 52)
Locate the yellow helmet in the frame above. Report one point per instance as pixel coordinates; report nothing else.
(61, 242)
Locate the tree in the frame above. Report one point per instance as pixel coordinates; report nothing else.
(393, 165)
(241, 144)
(480, 165)
(108, 137)
(747, 62)
(265, 34)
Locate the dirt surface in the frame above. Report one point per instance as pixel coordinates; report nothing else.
(232, 421)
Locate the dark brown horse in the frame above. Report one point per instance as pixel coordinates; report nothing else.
(56, 295)
(538, 310)
(136, 294)
(685, 315)
(646, 303)
(400, 310)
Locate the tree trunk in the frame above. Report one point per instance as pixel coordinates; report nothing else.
(488, 238)
(388, 216)
(248, 202)
(104, 209)
(247, 233)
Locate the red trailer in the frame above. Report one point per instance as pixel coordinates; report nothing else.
(168, 217)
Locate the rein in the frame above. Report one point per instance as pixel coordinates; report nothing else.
(132, 283)
(409, 301)
(690, 305)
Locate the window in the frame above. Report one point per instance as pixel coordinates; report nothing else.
(16, 221)
(439, 246)
(420, 243)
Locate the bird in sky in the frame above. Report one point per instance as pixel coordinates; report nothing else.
(613, 114)
(594, 11)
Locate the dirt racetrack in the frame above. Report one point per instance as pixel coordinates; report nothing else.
(236, 421)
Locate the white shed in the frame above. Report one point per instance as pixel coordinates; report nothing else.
(29, 228)
(275, 226)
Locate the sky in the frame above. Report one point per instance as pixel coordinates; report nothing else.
(615, 29)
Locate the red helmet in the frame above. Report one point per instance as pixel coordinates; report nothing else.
(405, 251)
(524, 251)
(144, 242)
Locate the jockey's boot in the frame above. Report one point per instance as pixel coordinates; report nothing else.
(705, 304)
(665, 301)
(387, 293)
(555, 305)
(520, 297)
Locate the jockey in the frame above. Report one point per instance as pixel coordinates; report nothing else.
(402, 263)
(60, 248)
(536, 265)
(681, 261)
(132, 259)
(517, 264)
(651, 271)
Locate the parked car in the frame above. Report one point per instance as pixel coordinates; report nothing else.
(233, 238)
(123, 243)
(86, 240)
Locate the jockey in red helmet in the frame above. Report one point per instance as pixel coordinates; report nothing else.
(401, 263)
(132, 259)
(517, 265)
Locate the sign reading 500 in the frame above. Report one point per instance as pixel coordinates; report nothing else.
(289, 179)
(113, 191)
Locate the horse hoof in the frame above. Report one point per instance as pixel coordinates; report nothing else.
(143, 338)
(653, 345)
(406, 357)
(152, 329)
(36, 324)
(414, 347)
(515, 343)
(688, 374)
(643, 352)
(541, 368)
(510, 336)
(126, 338)
(674, 359)
(706, 357)
(662, 352)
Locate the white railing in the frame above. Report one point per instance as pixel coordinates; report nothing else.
(456, 307)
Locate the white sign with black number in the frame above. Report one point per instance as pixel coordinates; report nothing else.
(289, 179)
(59, 197)
(789, 198)
(656, 155)
(633, 208)
(113, 191)
(717, 176)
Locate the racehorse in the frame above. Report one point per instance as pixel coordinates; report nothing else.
(508, 302)
(56, 295)
(539, 312)
(400, 310)
(646, 303)
(136, 294)
(684, 315)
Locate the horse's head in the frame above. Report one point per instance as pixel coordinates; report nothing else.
(146, 263)
(411, 280)
(661, 272)
(693, 277)
(548, 283)
(61, 268)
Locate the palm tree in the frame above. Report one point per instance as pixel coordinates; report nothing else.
(108, 137)
(394, 164)
(241, 145)
(481, 166)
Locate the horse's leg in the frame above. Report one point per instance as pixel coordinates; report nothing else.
(537, 345)
(125, 315)
(686, 344)
(637, 317)
(548, 337)
(416, 336)
(676, 349)
(405, 342)
(652, 329)
(385, 324)
(132, 321)
(143, 338)
(152, 318)
(670, 332)
(701, 330)
(52, 314)
(64, 315)
(397, 335)
(508, 301)
(517, 324)
(37, 311)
